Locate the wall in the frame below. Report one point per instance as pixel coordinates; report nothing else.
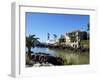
(5, 43)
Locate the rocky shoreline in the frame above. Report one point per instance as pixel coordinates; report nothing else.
(43, 59)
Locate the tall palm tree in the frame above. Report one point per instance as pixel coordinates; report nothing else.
(88, 25)
(30, 42)
(88, 29)
(55, 36)
(48, 36)
(62, 39)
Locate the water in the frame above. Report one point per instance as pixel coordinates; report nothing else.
(70, 56)
(44, 50)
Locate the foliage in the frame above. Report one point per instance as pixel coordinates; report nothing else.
(31, 42)
(62, 39)
(84, 43)
(55, 36)
(48, 36)
(83, 35)
(88, 25)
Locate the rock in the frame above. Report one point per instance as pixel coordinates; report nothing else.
(46, 64)
(55, 60)
(37, 64)
(43, 58)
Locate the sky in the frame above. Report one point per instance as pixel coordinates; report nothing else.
(41, 24)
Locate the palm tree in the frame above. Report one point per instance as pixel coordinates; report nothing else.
(88, 25)
(62, 39)
(88, 29)
(55, 36)
(48, 36)
(30, 42)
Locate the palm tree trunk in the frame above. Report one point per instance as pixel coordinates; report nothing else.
(29, 53)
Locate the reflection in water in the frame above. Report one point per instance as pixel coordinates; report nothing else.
(75, 57)
(44, 50)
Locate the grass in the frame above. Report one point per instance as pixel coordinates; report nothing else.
(74, 58)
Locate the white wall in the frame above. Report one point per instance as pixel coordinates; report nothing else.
(5, 43)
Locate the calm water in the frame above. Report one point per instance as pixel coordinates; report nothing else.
(76, 57)
(45, 50)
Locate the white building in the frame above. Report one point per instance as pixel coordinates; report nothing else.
(50, 41)
(68, 42)
(67, 39)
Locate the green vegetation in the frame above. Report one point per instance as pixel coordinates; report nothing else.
(55, 36)
(62, 39)
(84, 43)
(30, 42)
(72, 58)
(88, 25)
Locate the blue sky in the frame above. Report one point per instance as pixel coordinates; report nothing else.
(42, 23)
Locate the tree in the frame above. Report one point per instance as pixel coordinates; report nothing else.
(83, 35)
(88, 25)
(55, 36)
(30, 42)
(48, 36)
(62, 39)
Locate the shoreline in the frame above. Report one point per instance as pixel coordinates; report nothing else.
(44, 59)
